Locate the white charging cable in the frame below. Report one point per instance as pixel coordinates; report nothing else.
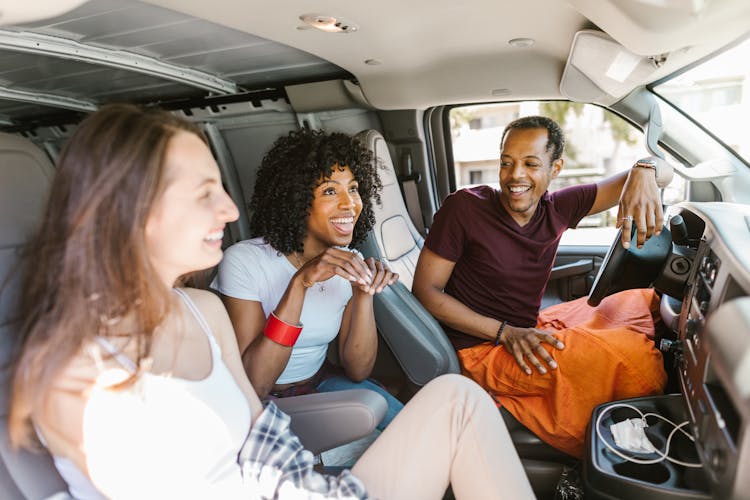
(662, 455)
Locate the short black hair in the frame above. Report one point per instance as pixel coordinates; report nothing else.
(555, 135)
(288, 175)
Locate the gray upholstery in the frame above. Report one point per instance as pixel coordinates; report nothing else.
(415, 338)
(394, 236)
(329, 419)
(413, 335)
(25, 174)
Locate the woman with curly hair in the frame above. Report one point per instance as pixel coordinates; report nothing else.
(312, 202)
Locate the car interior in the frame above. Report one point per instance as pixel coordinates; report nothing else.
(412, 80)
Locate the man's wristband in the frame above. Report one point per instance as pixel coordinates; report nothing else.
(663, 171)
(281, 332)
(500, 332)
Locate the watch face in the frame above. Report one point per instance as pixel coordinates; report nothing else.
(647, 163)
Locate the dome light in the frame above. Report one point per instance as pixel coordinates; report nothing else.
(329, 24)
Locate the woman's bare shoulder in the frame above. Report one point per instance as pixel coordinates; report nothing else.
(212, 308)
(203, 297)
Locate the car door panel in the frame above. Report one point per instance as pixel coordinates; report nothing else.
(573, 273)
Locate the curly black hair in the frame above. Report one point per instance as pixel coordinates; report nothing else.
(288, 175)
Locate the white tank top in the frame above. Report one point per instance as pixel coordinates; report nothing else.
(180, 437)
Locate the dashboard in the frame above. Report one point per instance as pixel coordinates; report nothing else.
(713, 339)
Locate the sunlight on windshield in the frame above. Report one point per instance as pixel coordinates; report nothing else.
(716, 94)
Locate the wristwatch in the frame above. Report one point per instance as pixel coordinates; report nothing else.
(662, 170)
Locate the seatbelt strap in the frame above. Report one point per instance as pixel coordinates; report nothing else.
(411, 198)
(410, 192)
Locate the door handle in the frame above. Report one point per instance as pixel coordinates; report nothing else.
(582, 266)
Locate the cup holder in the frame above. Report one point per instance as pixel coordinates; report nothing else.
(656, 439)
(608, 474)
(655, 431)
(651, 473)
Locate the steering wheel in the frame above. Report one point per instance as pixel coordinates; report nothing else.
(624, 269)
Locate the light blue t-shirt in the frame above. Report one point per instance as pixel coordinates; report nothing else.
(253, 270)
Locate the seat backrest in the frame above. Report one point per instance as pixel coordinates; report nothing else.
(25, 178)
(413, 335)
(393, 237)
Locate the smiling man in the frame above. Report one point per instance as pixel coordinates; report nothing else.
(485, 265)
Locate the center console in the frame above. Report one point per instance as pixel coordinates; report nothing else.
(711, 350)
(610, 476)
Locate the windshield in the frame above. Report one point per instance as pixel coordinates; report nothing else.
(716, 94)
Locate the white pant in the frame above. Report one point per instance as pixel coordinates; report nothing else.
(450, 432)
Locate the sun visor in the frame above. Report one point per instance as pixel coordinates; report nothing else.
(601, 70)
(326, 96)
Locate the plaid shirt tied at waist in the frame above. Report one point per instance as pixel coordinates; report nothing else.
(274, 464)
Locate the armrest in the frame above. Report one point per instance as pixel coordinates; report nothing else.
(573, 269)
(326, 420)
(413, 335)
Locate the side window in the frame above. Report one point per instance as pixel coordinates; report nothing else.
(598, 144)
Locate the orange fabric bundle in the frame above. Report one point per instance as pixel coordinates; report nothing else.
(609, 355)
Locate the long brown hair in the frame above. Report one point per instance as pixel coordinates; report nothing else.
(88, 266)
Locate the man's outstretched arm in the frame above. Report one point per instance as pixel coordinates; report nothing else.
(637, 192)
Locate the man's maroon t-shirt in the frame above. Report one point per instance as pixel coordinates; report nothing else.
(502, 268)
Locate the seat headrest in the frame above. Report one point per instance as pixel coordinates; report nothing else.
(375, 142)
(394, 235)
(25, 178)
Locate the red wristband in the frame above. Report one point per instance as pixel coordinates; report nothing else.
(281, 332)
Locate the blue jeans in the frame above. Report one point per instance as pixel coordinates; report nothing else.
(339, 383)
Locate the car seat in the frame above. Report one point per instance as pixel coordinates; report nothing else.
(416, 339)
(413, 335)
(25, 177)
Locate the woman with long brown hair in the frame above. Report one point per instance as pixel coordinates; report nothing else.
(136, 386)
